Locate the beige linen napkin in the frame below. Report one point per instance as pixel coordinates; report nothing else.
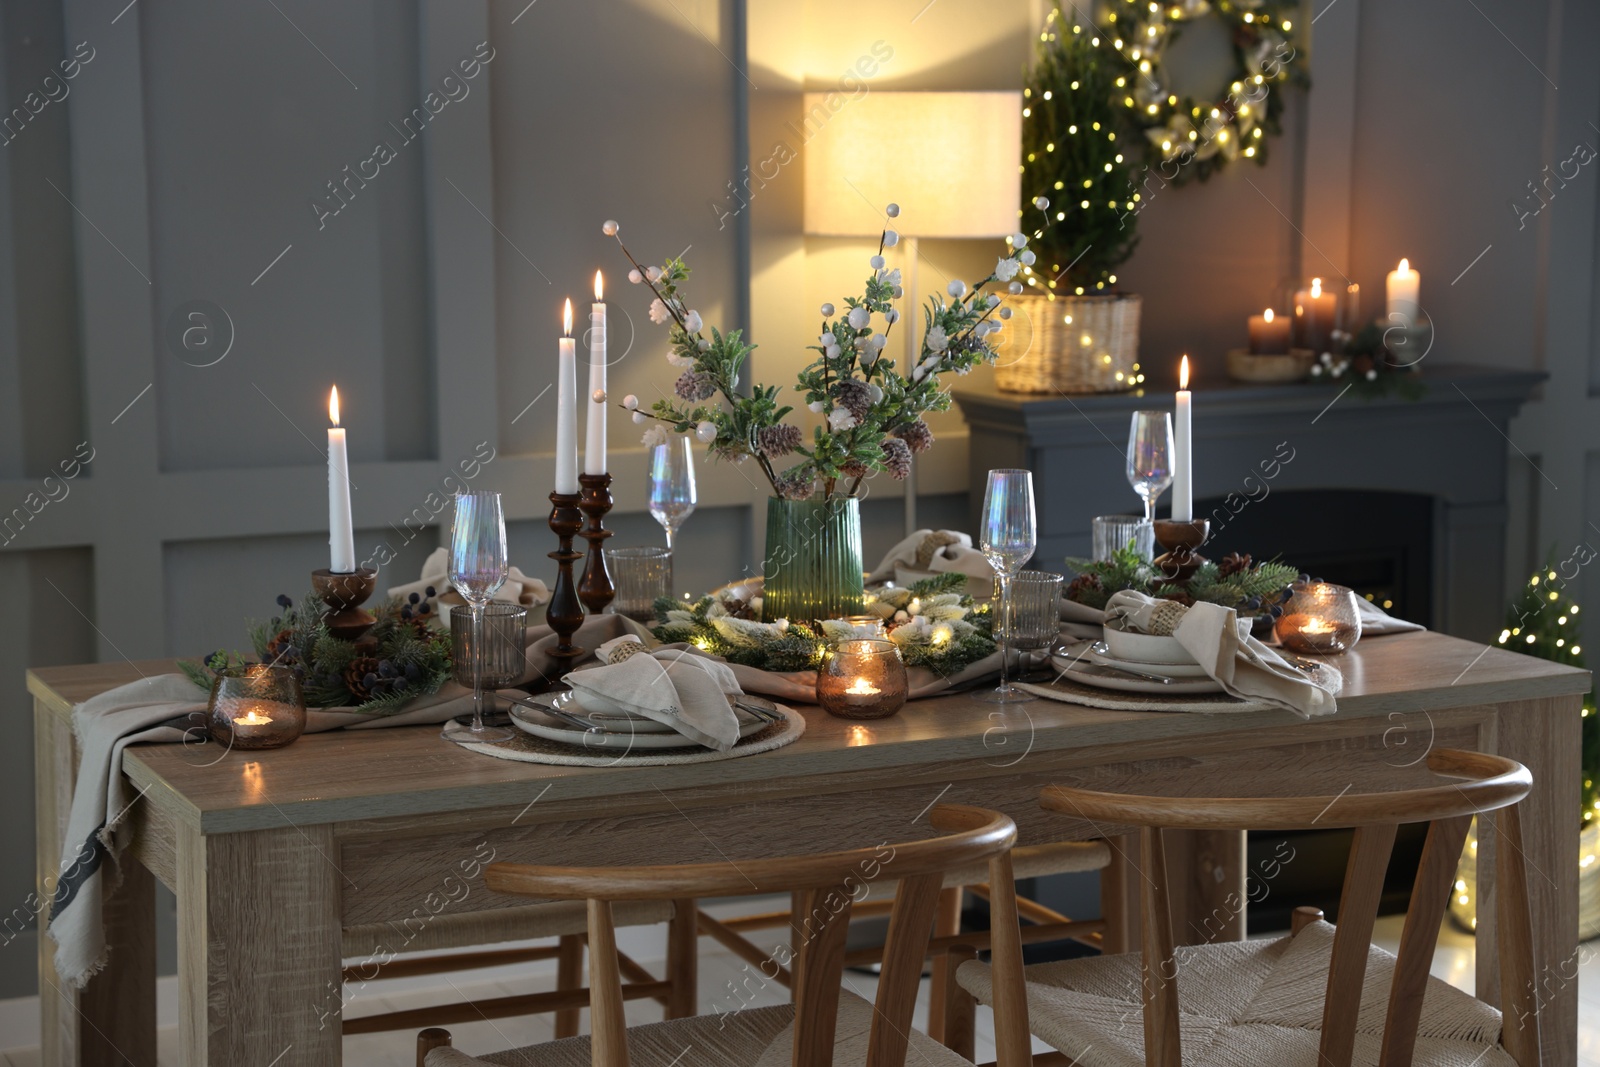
(1210, 633)
(518, 587)
(685, 692)
(930, 552)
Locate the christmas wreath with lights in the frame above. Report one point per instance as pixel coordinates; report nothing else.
(1188, 138)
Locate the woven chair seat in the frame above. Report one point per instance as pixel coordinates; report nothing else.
(1028, 861)
(755, 1037)
(1246, 1003)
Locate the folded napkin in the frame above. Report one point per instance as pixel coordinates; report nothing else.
(1210, 633)
(1374, 620)
(518, 587)
(670, 686)
(1080, 620)
(930, 552)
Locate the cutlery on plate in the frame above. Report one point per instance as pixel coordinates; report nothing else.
(1119, 672)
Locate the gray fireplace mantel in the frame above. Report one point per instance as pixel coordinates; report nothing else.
(1451, 445)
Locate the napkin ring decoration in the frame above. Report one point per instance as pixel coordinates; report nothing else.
(932, 545)
(624, 650)
(1166, 616)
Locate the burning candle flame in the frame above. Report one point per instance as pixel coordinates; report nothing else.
(333, 406)
(862, 688)
(1316, 287)
(599, 286)
(566, 318)
(1267, 315)
(1183, 373)
(253, 717)
(1405, 265)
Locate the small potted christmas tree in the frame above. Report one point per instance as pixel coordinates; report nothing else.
(1079, 158)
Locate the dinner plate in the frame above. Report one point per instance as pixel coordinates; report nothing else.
(624, 737)
(1170, 670)
(1180, 686)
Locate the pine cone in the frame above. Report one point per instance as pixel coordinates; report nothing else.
(356, 674)
(1233, 563)
(1083, 583)
(281, 649)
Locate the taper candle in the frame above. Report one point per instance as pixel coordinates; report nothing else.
(567, 407)
(341, 535)
(594, 452)
(1404, 285)
(1182, 483)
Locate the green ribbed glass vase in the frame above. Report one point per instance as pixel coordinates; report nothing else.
(812, 568)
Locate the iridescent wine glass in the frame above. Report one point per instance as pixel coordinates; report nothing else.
(478, 568)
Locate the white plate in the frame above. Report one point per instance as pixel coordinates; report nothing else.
(1145, 648)
(1170, 670)
(1186, 686)
(532, 720)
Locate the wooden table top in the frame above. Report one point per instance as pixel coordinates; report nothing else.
(368, 774)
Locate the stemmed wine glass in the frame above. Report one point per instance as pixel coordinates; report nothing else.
(1150, 457)
(1008, 536)
(478, 567)
(671, 490)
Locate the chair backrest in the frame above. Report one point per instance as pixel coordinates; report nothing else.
(1490, 784)
(829, 884)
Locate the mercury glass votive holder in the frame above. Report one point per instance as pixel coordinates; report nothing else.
(256, 706)
(1319, 618)
(862, 678)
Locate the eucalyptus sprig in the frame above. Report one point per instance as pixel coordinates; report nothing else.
(873, 414)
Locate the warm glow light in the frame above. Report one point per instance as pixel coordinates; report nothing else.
(862, 688)
(333, 406)
(1183, 373)
(1405, 265)
(599, 286)
(253, 717)
(566, 315)
(1316, 287)
(1267, 315)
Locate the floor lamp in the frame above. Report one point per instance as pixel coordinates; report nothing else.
(950, 160)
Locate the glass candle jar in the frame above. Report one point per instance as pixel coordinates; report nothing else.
(256, 706)
(1319, 619)
(862, 678)
(865, 625)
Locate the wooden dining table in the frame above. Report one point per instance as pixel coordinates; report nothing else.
(276, 856)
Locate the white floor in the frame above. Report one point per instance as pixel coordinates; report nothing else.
(720, 973)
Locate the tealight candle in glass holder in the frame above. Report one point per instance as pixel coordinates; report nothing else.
(256, 706)
(865, 625)
(862, 678)
(1319, 618)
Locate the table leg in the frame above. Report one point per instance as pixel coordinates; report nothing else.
(1207, 869)
(258, 948)
(1544, 736)
(112, 1020)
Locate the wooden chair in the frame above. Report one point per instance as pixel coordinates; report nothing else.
(376, 955)
(824, 1018)
(1317, 997)
(1045, 924)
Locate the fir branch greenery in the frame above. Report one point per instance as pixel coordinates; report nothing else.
(873, 415)
(411, 658)
(1236, 582)
(933, 624)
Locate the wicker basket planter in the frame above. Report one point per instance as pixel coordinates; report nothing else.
(1070, 344)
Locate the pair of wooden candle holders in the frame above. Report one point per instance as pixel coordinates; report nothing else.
(571, 513)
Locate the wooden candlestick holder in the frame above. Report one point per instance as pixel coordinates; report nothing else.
(344, 593)
(595, 588)
(564, 613)
(1181, 540)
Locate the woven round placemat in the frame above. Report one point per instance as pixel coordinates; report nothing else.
(526, 748)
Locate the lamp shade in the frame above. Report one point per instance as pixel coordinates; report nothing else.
(949, 159)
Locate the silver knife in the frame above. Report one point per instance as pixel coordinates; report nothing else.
(1119, 672)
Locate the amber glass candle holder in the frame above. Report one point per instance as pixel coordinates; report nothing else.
(862, 678)
(1319, 619)
(256, 706)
